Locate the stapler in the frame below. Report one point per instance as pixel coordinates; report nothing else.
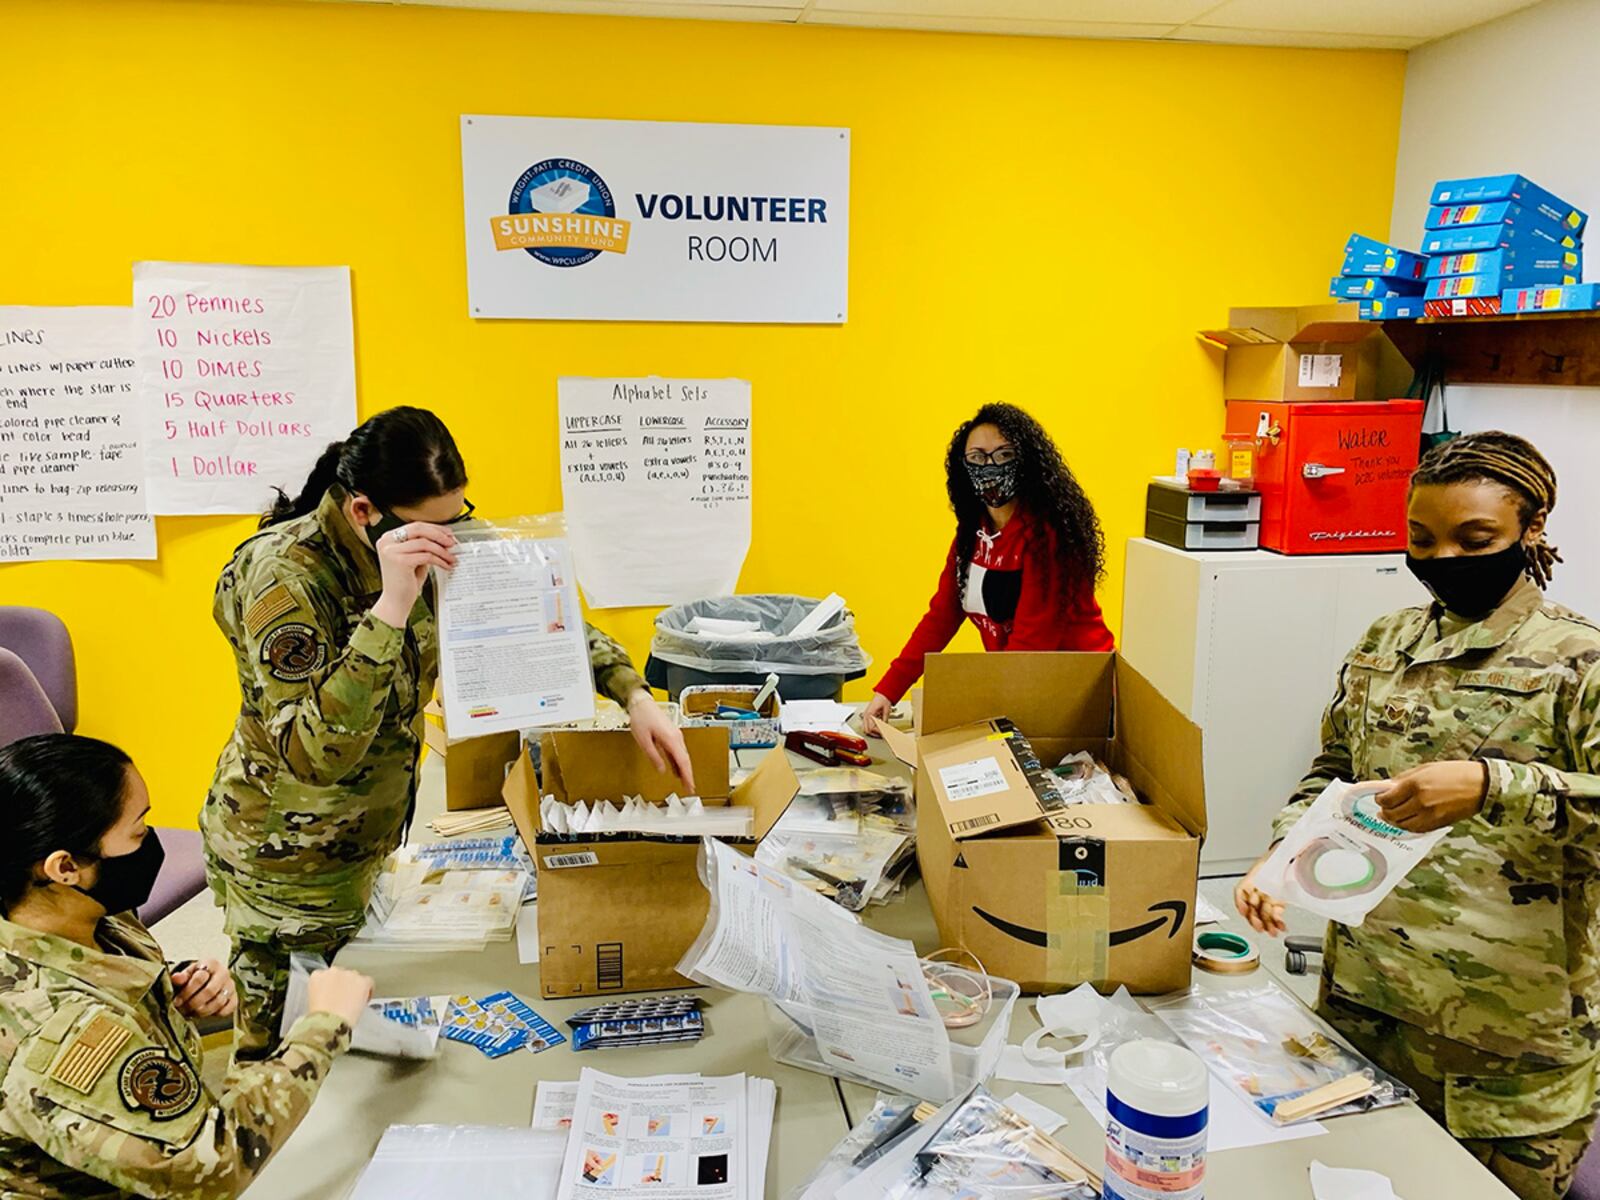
(829, 748)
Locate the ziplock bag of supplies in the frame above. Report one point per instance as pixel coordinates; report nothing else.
(793, 635)
(463, 1162)
(399, 1028)
(416, 906)
(1342, 858)
(1269, 1048)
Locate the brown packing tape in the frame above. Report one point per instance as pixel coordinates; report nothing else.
(1077, 930)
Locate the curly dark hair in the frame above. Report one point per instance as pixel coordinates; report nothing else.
(1045, 487)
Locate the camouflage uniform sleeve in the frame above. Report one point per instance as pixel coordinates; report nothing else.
(326, 695)
(107, 1101)
(614, 675)
(1545, 797)
(1333, 762)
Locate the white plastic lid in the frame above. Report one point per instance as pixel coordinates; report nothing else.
(1161, 1078)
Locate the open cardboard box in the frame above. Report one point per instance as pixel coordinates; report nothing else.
(474, 767)
(1092, 893)
(1318, 352)
(617, 912)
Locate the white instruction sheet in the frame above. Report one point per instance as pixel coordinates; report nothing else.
(513, 649)
(861, 994)
(71, 467)
(655, 482)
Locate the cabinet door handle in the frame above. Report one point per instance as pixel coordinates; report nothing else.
(1314, 470)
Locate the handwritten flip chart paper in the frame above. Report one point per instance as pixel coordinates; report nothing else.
(655, 479)
(71, 469)
(246, 374)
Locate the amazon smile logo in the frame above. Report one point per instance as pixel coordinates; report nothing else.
(1174, 911)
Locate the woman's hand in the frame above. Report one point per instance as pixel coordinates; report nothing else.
(1263, 912)
(659, 738)
(1434, 795)
(204, 989)
(877, 710)
(340, 992)
(405, 556)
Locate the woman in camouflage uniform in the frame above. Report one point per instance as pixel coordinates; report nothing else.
(101, 1093)
(331, 620)
(1477, 980)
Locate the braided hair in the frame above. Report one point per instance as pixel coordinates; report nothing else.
(1045, 487)
(1514, 464)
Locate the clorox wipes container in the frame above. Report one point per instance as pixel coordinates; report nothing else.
(1156, 1098)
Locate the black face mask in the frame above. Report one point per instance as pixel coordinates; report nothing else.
(387, 523)
(126, 880)
(1471, 585)
(995, 483)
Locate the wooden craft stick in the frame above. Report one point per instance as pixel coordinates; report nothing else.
(1329, 1095)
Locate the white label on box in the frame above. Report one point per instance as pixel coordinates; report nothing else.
(1320, 370)
(586, 858)
(969, 780)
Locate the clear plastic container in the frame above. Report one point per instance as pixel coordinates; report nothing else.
(1239, 458)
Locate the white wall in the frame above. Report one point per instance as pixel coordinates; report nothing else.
(1520, 95)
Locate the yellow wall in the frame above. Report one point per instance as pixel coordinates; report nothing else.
(1040, 221)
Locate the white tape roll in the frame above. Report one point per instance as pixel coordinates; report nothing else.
(1040, 1056)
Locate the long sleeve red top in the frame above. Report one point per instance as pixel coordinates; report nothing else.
(1018, 597)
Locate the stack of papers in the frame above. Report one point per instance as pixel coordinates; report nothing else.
(416, 906)
(815, 716)
(462, 1162)
(657, 1135)
(678, 816)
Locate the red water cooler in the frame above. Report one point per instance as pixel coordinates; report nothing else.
(1332, 477)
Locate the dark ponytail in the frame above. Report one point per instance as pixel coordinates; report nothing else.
(398, 458)
(58, 791)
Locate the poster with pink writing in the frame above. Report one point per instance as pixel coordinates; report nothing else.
(245, 375)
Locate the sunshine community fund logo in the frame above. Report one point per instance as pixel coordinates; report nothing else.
(563, 214)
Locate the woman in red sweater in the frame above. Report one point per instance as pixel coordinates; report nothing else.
(1027, 554)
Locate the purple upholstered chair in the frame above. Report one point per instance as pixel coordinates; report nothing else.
(39, 694)
(1586, 1184)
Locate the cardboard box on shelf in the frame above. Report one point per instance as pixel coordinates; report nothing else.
(1366, 256)
(1578, 297)
(1099, 893)
(1538, 238)
(1533, 262)
(1450, 286)
(1364, 287)
(1401, 308)
(617, 912)
(1463, 306)
(1321, 352)
(1500, 212)
(1518, 188)
(474, 767)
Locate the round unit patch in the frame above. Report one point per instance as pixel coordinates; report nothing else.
(153, 1081)
(293, 651)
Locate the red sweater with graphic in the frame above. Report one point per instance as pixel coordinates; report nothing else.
(1017, 596)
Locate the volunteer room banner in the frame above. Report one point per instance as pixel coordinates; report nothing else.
(655, 220)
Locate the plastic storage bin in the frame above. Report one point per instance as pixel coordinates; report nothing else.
(699, 704)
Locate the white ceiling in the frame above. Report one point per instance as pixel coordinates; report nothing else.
(1346, 24)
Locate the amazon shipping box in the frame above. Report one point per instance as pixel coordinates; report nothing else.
(474, 767)
(1046, 895)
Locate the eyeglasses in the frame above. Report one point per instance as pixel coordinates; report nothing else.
(465, 514)
(999, 456)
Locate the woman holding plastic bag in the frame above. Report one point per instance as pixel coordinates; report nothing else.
(331, 619)
(1477, 979)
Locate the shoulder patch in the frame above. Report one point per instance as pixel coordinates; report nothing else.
(88, 1055)
(293, 651)
(269, 606)
(154, 1082)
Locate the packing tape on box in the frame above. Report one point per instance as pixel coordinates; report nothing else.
(1077, 930)
(1225, 953)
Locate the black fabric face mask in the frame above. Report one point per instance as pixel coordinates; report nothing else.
(1471, 585)
(995, 483)
(387, 523)
(126, 880)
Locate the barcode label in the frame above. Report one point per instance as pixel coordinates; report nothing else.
(587, 858)
(608, 966)
(975, 823)
(969, 780)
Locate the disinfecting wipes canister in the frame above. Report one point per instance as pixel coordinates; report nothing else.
(1156, 1097)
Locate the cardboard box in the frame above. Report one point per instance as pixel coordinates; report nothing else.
(1364, 256)
(1403, 308)
(1578, 297)
(1536, 237)
(1486, 188)
(1100, 893)
(1364, 287)
(617, 912)
(1323, 352)
(1541, 261)
(1500, 212)
(1450, 286)
(474, 767)
(1463, 306)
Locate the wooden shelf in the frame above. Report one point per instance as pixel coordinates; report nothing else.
(1558, 349)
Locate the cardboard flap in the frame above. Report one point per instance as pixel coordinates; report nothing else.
(976, 781)
(591, 764)
(1054, 695)
(1238, 337)
(768, 791)
(1325, 333)
(521, 794)
(902, 745)
(1165, 745)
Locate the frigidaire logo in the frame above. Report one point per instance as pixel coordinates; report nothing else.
(1349, 535)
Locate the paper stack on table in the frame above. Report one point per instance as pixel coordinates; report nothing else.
(664, 1135)
(815, 716)
(462, 1162)
(418, 906)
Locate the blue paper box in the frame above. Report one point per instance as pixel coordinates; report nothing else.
(1451, 286)
(1462, 238)
(1365, 256)
(1518, 188)
(1498, 212)
(1576, 297)
(1400, 308)
(1365, 287)
(1551, 262)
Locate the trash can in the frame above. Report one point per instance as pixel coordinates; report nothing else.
(809, 666)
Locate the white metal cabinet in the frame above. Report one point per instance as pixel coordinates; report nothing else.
(1247, 645)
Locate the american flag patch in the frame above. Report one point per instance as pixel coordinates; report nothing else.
(89, 1054)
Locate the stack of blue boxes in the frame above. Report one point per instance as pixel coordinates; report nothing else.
(1501, 243)
(1388, 281)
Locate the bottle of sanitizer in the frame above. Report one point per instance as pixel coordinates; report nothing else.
(1156, 1096)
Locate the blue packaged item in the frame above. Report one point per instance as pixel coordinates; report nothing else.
(1575, 297)
(1451, 286)
(1364, 256)
(1528, 237)
(1528, 264)
(1399, 308)
(511, 1009)
(1501, 212)
(1362, 287)
(1484, 188)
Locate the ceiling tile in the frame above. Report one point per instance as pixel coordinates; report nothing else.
(1291, 37)
(1424, 19)
(1074, 29)
(1131, 13)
